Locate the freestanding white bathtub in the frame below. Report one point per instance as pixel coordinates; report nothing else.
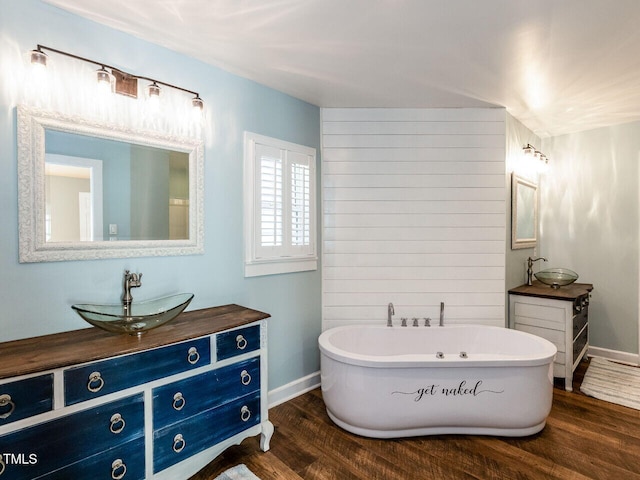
(391, 382)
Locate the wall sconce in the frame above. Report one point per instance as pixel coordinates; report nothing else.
(116, 80)
(529, 149)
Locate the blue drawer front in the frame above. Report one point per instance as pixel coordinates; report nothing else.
(203, 431)
(25, 398)
(66, 440)
(185, 398)
(237, 342)
(127, 459)
(124, 372)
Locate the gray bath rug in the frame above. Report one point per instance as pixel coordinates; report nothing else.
(239, 472)
(612, 382)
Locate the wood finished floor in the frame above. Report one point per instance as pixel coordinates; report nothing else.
(584, 438)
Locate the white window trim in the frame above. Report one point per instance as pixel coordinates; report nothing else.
(255, 266)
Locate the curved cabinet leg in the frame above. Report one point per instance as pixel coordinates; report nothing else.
(265, 437)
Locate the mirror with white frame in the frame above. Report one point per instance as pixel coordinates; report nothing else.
(89, 190)
(524, 213)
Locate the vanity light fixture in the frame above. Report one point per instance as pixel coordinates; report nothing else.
(38, 58)
(153, 90)
(529, 149)
(125, 83)
(153, 96)
(104, 79)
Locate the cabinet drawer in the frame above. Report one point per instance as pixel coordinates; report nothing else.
(554, 336)
(108, 376)
(553, 316)
(182, 440)
(125, 461)
(237, 342)
(25, 398)
(67, 440)
(185, 398)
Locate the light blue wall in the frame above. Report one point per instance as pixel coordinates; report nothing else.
(36, 298)
(590, 212)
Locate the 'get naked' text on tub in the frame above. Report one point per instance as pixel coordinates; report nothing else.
(460, 379)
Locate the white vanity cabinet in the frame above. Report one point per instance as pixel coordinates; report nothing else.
(559, 315)
(90, 404)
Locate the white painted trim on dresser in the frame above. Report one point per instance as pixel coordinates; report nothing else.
(294, 389)
(615, 355)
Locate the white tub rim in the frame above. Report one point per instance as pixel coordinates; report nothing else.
(545, 356)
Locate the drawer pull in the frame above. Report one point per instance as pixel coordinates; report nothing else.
(118, 469)
(96, 382)
(245, 378)
(245, 414)
(178, 401)
(117, 423)
(241, 342)
(5, 399)
(193, 356)
(178, 443)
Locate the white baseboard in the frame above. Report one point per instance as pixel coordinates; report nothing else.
(294, 389)
(623, 357)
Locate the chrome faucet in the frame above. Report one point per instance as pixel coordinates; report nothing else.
(131, 280)
(390, 313)
(530, 268)
(442, 314)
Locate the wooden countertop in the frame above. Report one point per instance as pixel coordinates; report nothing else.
(539, 289)
(47, 352)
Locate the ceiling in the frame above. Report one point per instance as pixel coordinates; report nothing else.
(559, 66)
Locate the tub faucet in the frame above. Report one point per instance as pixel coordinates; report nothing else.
(390, 313)
(131, 280)
(442, 314)
(530, 268)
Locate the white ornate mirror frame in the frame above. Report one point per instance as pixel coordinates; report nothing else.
(31, 190)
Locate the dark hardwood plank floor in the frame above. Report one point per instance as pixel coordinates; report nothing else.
(584, 438)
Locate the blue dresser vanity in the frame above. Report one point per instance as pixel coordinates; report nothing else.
(91, 404)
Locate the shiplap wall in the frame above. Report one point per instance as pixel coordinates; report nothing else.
(414, 213)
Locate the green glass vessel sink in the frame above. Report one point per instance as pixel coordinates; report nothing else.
(557, 277)
(138, 317)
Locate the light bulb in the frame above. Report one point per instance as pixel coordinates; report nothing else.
(153, 97)
(198, 107)
(104, 81)
(38, 59)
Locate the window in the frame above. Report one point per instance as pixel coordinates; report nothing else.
(280, 204)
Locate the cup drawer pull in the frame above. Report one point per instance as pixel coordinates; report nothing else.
(178, 401)
(96, 382)
(5, 400)
(117, 423)
(245, 413)
(241, 342)
(178, 443)
(245, 377)
(118, 469)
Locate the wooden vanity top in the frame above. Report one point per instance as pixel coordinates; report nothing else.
(539, 289)
(47, 352)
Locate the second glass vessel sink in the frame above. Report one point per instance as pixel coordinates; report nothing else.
(557, 277)
(136, 318)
